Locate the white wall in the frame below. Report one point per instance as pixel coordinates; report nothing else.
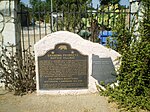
(8, 34)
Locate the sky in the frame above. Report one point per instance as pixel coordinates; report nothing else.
(95, 2)
(25, 1)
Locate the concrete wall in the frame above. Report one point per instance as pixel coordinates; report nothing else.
(7, 9)
(7, 24)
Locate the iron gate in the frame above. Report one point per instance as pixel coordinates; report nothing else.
(80, 18)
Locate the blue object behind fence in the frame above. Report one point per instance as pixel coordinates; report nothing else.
(103, 36)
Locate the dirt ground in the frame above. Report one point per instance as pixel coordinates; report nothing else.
(50, 103)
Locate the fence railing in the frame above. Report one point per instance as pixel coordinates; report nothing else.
(83, 19)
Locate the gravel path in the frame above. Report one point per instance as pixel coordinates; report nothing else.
(49, 103)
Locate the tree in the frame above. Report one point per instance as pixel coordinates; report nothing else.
(65, 4)
(72, 11)
(59, 5)
(106, 2)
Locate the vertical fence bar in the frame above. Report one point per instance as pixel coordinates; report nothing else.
(74, 20)
(18, 36)
(113, 16)
(92, 29)
(126, 15)
(102, 15)
(56, 15)
(39, 15)
(86, 16)
(108, 16)
(97, 13)
(23, 46)
(67, 19)
(130, 14)
(123, 11)
(103, 27)
(50, 18)
(98, 26)
(63, 20)
(33, 23)
(79, 14)
(28, 22)
(45, 18)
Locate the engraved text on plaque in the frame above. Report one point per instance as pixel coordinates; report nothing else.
(63, 68)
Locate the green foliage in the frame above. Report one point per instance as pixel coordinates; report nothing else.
(71, 12)
(124, 36)
(47, 18)
(67, 4)
(111, 43)
(133, 92)
(18, 75)
(73, 18)
(58, 5)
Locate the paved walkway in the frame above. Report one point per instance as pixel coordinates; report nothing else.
(49, 103)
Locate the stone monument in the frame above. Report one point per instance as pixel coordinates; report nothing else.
(68, 64)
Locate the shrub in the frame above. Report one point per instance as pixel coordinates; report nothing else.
(133, 92)
(16, 73)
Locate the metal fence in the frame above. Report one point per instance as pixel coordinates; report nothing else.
(80, 18)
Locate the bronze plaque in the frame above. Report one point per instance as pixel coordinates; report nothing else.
(63, 68)
(103, 69)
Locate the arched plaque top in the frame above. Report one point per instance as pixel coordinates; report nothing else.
(63, 46)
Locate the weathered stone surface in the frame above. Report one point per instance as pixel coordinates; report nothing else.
(94, 51)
